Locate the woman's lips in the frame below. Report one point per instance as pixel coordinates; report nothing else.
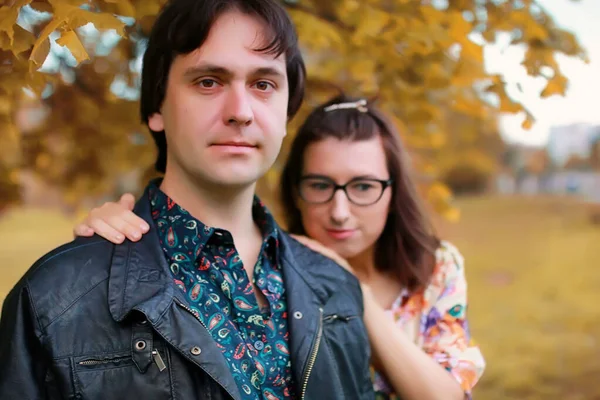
(340, 234)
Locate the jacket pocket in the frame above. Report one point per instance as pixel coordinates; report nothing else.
(118, 376)
(347, 340)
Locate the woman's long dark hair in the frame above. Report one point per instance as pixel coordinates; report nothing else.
(406, 248)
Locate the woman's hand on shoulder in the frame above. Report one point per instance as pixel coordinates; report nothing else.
(114, 221)
(323, 250)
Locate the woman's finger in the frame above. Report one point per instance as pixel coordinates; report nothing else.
(103, 229)
(127, 200)
(83, 229)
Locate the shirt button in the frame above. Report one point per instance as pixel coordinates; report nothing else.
(259, 345)
(196, 350)
(298, 315)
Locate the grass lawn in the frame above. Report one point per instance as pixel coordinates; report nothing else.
(533, 272)
(533, 288)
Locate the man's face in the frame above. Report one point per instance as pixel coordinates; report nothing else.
(225, 108)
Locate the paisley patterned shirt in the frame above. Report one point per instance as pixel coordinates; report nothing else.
(435, 319)
(206, 266)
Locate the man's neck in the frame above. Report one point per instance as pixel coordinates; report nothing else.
(215, 206)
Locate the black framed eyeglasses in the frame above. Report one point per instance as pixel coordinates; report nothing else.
(359, 191)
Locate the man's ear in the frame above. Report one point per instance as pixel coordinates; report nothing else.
(156, 122)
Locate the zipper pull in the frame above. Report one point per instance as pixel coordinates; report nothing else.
(158, 360)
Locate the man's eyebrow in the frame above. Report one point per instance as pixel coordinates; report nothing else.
(211, 69)
(268, 71)
(205, 69)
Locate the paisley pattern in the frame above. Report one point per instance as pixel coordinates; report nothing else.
(435, 319)
(206, 266)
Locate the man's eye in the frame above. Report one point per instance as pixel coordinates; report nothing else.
(207, 83)
(264, 85)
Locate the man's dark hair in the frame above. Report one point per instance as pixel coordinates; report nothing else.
(183, 26)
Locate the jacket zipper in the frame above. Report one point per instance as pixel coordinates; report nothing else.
(313, 354)
(191, 312)
(158, 360)
(205, 327)
(334, 317)
(96, 361)
(155, 356)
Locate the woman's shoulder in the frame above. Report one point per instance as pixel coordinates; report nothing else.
(449, 266)
(449, 256)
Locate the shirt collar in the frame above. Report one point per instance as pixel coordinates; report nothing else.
(165, 210)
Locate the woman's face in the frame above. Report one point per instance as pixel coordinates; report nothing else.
(345, 227)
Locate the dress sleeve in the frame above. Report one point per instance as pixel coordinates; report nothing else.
(446, 332)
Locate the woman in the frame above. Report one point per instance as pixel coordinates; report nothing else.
(347, 185)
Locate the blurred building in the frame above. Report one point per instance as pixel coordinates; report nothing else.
(567, 141)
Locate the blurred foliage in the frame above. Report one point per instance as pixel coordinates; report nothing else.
(595, 155)
(468, 176)
(422, 61)
(539, 162)
(577, 162)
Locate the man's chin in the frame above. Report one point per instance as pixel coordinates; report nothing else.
(234, 181)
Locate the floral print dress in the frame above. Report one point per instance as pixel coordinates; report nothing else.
(435, 320)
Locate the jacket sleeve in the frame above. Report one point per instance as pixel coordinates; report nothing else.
(23, 364)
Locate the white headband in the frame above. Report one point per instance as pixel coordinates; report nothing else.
(360, 105)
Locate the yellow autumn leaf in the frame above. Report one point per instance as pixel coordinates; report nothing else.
(528, 122)
(466, 106)
(76, 17)
(23, 40)
(557, 85)
(42, 44)
(8, 17)
(124, 7)
(371, 24)
(328, 38)
(438, 191)
(451, 214)
(6, 105)
(14, 176)
(362, 70)
(10, 143)
(432, 15)
(41, 6)
(438, 140)
(37, 82)
(460, 28)
(145, 8)
(70, 40)
(471, 50)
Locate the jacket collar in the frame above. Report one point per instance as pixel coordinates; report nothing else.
(139, 275)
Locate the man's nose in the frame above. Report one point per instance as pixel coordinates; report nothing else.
(238, 110)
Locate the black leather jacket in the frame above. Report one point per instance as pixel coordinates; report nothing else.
(94, 320)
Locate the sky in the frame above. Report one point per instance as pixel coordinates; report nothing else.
(581, 103)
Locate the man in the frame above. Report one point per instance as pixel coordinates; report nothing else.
(217, 302)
